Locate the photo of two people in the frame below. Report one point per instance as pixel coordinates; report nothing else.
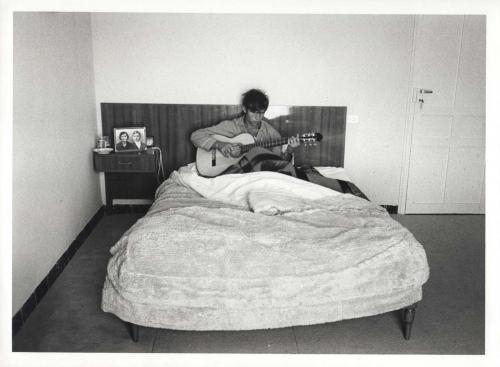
(131, 139)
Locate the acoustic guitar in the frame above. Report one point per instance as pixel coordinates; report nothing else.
(211, 163)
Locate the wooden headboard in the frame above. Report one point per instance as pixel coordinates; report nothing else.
(172, 124)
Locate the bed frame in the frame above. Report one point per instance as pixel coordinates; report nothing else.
(407, 317)
(171, 124)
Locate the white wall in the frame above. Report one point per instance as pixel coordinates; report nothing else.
(55, 189)
(362, 62)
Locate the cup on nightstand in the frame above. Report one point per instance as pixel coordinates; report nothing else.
(101, 143)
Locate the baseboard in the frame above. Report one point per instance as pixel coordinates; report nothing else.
(22, 315)
(391, 209)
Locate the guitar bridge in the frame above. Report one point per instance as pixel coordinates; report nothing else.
(214, 162)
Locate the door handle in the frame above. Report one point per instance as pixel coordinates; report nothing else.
(421, 100)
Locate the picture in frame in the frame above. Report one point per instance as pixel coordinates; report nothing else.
(130, 139)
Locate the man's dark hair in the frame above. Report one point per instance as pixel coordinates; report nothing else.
(255, 100)
(123, 133)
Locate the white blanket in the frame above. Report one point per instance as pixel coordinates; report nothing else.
(198, 264)
(267, 193)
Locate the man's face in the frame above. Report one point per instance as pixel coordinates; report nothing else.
(123, 138)
(136, 137)
(254, 116)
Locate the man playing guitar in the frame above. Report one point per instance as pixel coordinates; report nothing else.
(254, 105)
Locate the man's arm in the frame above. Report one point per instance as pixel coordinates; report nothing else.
(202, 138)
(285, 153)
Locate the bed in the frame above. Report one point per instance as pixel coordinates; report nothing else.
(261, 250)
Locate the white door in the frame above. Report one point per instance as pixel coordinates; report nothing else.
(445, 171)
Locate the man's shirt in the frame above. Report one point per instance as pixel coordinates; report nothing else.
(202, 138)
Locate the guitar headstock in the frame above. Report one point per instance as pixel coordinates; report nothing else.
(310, 138)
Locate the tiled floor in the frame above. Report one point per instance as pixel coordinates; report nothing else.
(449, 320)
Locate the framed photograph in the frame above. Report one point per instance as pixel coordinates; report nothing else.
(130, 139)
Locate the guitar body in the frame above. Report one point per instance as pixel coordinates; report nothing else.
(211, 163)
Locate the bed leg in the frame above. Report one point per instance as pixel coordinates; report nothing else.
(133, 330)
(408, 317)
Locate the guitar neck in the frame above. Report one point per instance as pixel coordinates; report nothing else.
(265, 144)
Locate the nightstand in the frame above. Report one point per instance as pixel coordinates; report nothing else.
(128, 175)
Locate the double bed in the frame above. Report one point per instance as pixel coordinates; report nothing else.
(261, 250)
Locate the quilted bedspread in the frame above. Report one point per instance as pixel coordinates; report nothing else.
(252, 259)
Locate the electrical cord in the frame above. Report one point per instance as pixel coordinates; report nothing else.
(159, 161)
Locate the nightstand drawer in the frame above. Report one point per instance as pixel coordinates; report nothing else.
(125, 162)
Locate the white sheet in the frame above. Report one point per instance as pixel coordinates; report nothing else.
(262, 192)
